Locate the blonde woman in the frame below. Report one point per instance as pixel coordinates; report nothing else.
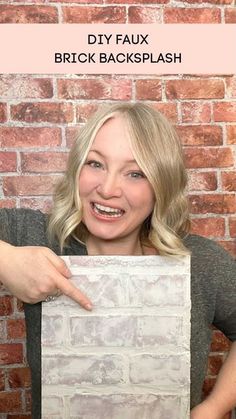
(123, 194)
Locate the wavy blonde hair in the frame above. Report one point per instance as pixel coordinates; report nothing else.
(158, 152)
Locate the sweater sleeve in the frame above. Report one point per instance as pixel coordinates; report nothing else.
(224, 268)
(8, 226)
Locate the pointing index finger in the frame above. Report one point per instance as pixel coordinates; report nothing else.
(67, 288)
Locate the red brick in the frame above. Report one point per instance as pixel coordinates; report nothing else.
(84, 111)
(224, 111)
(215, 363)
(19, 416)
(11, 353)
(29, 185)
(43, 162)
(8, 162)
(28, 14)
(2, 380)
(19, 377)
(208, 227)
(139, 14)
(6, 306)
(220, 2)
(28, 400)
(169, 109)
(71, 135)
(2, 337)
(3, 112)
(232, 227)
(200, 135)
(7, 203)
(230, 15)
(231, 134)
(117, 89)
(29, 137)
(90, 14)
(202, 181)
(149, 89)
(231, 86)
(208, 386)
(216, 204)
(83, 1)
(230, 246)
(195, 89)
(43, 112)
(193, 15)
(220, 342)
(229, 181)
(10, 401)
(195, 112)
(156, 2)
(42, 204)
(200, 157)
(16, 86)
(20, 306)
(16, 328)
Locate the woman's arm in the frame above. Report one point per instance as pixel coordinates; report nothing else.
(223, 396)
(31, 273)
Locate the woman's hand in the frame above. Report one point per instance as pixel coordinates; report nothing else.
(205, 410)
(32, 273)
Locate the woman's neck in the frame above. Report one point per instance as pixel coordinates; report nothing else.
(109, 247)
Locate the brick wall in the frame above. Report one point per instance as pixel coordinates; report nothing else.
(39, 116)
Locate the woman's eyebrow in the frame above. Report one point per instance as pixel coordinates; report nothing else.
(104, 156)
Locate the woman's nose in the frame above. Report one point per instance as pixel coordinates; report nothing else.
(109, 186)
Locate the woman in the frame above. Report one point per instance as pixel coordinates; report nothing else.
(122, 194)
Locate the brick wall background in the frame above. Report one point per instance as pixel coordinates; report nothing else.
(40, 114)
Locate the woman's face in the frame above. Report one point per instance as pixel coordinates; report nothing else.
(115, 194)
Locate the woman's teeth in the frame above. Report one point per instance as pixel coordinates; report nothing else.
(111, 212)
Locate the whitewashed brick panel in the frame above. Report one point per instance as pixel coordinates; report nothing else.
(129, 358)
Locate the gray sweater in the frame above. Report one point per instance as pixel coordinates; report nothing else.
(213, 294)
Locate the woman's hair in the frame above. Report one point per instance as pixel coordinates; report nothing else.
(158, 152)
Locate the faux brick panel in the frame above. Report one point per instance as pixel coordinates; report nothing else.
(29, 185)
(137, 334)
(89, 14)
(125, 406)
(200, 135)
(230, 15)
(208, 227)
(41, 162)
(148, 89)
(13, 87)
(195, 112)
(167, 109)
(117, 89)
(16, 328)
(225, 112)
(28, 14)
(229, 181)
(3, 112)
(11, 353)
(29, 137)
(195, 89)
(208, 157)
(139, 14)
(6, 305)
(7, 162)
(231, 134)
(71, 135)
(19, 377)
(43, 112)
(202, 181)
(10, 402)
(219, 204)
(194, 15)
(232, 226)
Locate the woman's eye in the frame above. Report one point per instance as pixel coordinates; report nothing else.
(137, 175)
(94, 163)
